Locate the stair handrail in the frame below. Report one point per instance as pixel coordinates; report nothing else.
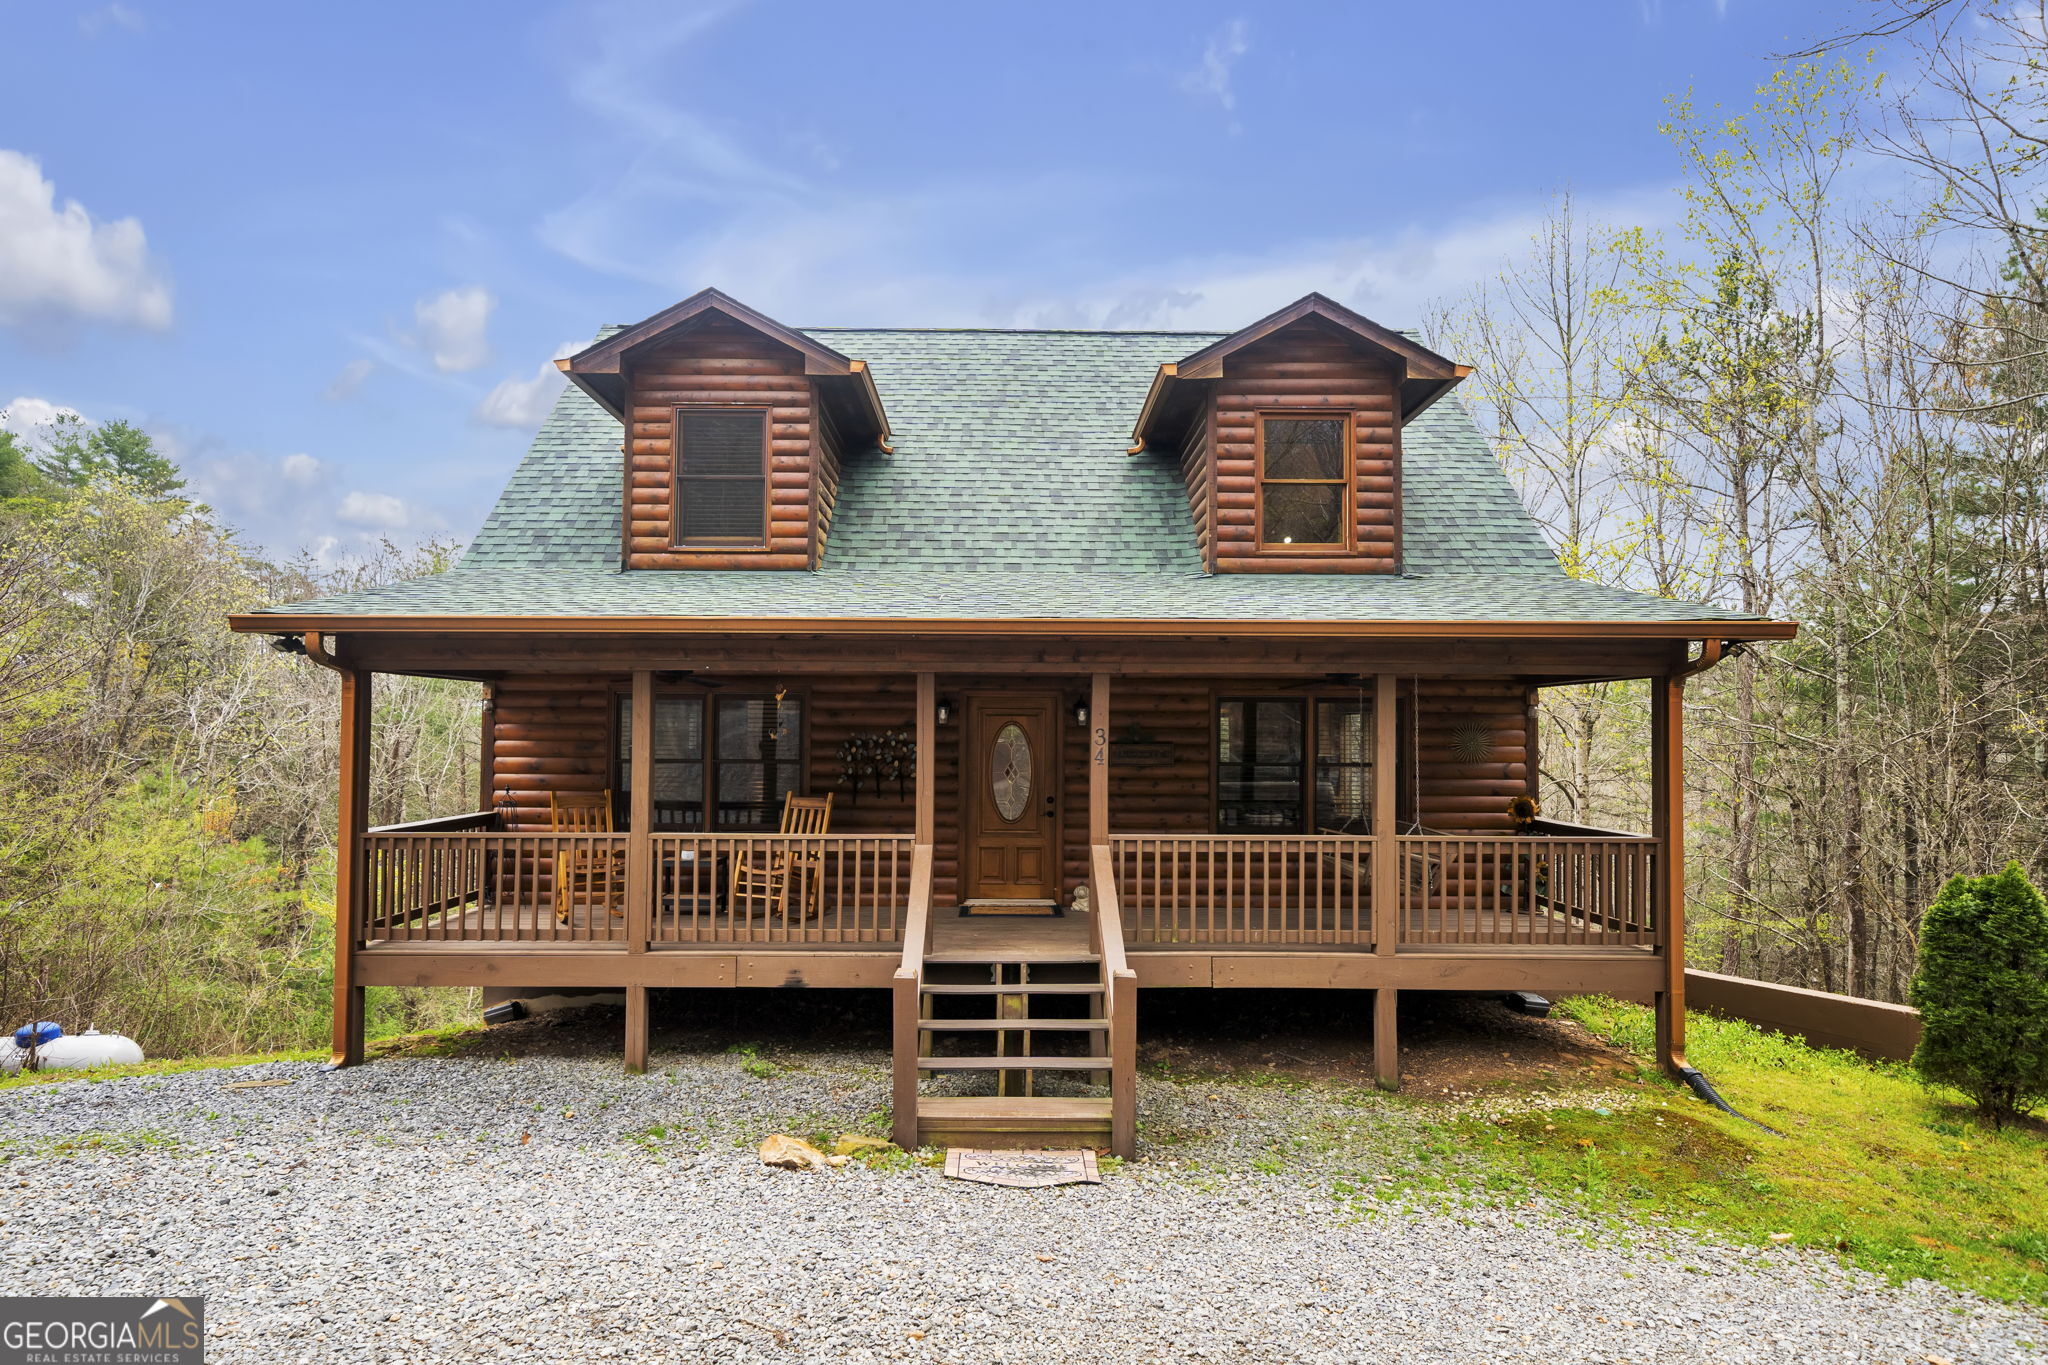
(1119, 1003)
(907, 986)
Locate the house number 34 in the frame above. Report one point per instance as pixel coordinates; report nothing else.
(1101, 744)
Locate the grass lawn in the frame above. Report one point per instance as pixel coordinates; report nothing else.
(1873, 1166)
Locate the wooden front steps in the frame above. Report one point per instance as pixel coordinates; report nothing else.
(1015, 1016)
(1024, 1121)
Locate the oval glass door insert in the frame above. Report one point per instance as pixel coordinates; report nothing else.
(1010, 771)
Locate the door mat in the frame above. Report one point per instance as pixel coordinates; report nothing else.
(1022, 1170)
(1009, 907)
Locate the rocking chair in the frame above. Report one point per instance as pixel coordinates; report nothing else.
(763, 878)
(595, 876)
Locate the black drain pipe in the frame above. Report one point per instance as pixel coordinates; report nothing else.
(1704, 1088)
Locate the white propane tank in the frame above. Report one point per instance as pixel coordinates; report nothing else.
(90, 1048)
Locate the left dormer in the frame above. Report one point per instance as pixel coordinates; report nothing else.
(735, 430)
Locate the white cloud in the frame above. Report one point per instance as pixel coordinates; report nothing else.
(452, 325)
(30, 417)
(294, 504)
(1210, 78)
(345, 384)
(376, 511)
(58, 264)
(524, 403)
(110, 18)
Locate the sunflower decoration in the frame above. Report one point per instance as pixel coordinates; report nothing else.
(1523, 810)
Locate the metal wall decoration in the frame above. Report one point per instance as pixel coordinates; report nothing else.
(1139, 747)
(881, 756)
(1471, 740)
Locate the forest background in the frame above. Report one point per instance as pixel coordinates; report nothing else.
(1820, 396)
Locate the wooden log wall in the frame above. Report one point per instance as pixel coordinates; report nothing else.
(1309, 366)
(1455, 790)
(828, 460)
(548, 734)
(553, 733)
(719, 363)
(1197, 471)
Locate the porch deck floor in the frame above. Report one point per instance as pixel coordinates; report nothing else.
(532, 928)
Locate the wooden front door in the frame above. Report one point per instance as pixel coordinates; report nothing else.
(1010, 826)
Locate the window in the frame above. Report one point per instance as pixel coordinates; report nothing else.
(1259, 766)
(1266, 782)
(1343, 767)
(1304, 478)
(721, 477)
(753, 759)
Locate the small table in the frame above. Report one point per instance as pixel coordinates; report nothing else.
(679, 870)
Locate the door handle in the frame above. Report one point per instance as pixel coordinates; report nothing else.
(1049, 811)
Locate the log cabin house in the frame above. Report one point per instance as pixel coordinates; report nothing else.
(1129, 660)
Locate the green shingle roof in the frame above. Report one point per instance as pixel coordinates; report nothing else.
(1009, 495)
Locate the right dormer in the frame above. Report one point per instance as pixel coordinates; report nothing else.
(1288, 435)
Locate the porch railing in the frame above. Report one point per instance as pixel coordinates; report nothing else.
(1541, 890)
(456, 880)
(780, 888)
(460, 880)
(1204, 888)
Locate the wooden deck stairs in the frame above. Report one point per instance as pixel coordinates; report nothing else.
(1018, 1020)
(1043, 1018)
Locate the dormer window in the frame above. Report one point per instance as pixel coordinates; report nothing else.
(721, 477)
(1304, 481)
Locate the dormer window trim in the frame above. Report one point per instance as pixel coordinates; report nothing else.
(1346, 483)
(678, 477)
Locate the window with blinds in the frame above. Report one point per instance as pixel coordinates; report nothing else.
(721, 477)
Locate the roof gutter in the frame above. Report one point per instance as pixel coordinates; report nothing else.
(1715, 633)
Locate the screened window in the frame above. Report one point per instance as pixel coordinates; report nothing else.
(1302, 481)
(721, 483)
(751, 755)
(1343, 767)
(1283, 760)
(1260, 763)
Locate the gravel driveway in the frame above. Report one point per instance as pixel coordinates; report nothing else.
(554, 1209)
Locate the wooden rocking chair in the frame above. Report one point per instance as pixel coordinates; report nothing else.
(763, 879)
(594, 876)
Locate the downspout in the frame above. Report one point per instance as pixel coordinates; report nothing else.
(1711, 653)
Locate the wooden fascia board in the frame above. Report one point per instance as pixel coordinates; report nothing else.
(589, 386)
(1418, 360)
(1155, 398)
(1221, 628)
(1409, 413)
(865, 377)
(605, 356)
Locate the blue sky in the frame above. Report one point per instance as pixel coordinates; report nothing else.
(327, 253)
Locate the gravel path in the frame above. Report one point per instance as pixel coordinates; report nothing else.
(555, 1209)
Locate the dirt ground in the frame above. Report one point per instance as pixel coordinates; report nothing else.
(1451, 1045)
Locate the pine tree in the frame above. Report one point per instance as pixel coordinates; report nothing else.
(1982, 992)
(81, 453)
(18, 477)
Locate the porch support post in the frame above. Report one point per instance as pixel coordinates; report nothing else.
(1386, 1039)
(1667, 823)
(1098, 761)
(1386, 852)
(927, 817)
(640, 888)
(353, 819)
(636, 1029)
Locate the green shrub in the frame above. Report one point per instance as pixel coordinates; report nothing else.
(1982, 992)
